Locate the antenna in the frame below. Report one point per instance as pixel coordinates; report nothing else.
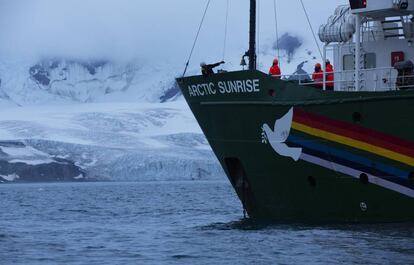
(252, 42)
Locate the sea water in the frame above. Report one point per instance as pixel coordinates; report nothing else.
(174, 223)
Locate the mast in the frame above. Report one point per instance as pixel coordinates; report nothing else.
(252, 41)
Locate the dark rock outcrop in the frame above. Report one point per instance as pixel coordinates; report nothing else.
(51, 172)
(22, 163)
(171, 93)
(300, 74)
(288, 43)
(40, 72)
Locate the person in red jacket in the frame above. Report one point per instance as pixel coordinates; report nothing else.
(330, 76)
(275, 70)
(318, 76)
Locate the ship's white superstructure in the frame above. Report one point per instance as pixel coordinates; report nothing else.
(372, 45)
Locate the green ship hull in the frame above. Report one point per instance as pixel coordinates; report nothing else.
(299, 154)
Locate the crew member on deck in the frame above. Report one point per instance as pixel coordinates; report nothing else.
(275, 69)
(330, 76)
(318, 76)
(207, 69)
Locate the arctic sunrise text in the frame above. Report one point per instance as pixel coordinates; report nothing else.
(224, 87)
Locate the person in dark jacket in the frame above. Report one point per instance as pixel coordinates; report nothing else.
(207, 69)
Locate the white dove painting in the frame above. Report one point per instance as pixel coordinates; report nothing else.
(277, 137)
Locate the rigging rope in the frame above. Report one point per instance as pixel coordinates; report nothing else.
(196, 38)
(276, 31)
(310, 25)
(225, 30)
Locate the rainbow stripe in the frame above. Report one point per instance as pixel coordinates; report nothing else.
(354, 136)
(364, 149)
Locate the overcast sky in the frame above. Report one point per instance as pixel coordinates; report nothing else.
(151, 30)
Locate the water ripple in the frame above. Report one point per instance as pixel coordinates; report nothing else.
(174, 223)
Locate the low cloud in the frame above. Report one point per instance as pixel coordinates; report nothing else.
(156, 30)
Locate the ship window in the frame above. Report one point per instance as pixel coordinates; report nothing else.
(370, 61)
(349, 62)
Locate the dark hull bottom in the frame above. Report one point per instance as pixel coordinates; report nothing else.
(346, 157)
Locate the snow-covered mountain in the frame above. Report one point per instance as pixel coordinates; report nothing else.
(52, 81)
(115, 120)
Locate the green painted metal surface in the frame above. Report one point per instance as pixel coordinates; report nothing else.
(277, 188)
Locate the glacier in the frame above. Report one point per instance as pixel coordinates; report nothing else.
(135, 138)
(114, 121)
